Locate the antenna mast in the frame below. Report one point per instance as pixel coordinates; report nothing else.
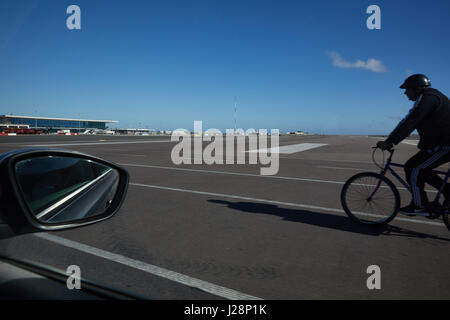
(235, 109)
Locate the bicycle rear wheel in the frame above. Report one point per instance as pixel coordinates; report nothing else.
(369, 198)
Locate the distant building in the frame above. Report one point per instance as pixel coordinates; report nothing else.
(55, 123)
(137, 132)
(181, 132)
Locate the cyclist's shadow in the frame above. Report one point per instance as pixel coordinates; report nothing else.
(325, 220)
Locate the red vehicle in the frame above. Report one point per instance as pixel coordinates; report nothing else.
(17, 129)
(32, 131)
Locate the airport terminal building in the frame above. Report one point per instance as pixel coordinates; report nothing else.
(47, 123)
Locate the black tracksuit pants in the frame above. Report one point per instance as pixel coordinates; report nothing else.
(418, 172)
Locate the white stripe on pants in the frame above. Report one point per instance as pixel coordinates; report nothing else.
(415, 173)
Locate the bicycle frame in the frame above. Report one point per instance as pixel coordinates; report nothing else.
(387, 168)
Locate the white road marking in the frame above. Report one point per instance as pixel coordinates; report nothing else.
(412, 143)
(93, 143)
(229, 173)
(290, 149)
(341, 168)
(82, 141)
(246, 174)
(298, 205)
(152, 269)
(326, 160)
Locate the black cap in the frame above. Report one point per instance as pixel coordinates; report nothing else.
(416, 80)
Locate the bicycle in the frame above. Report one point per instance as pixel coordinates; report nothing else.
(371, 191)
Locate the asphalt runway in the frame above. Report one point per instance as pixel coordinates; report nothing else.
(226, 232)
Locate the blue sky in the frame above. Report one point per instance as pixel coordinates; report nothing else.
(163, 64)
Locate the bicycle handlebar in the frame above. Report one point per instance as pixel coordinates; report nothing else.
(391, 151)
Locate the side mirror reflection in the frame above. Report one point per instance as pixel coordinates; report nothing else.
(66, 189)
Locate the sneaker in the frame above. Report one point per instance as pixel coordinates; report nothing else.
(411, 210)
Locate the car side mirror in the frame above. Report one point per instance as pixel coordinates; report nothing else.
(46, 189)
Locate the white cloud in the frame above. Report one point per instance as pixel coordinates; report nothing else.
(371, 64)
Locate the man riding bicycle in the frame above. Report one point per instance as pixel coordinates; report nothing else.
(430, 115)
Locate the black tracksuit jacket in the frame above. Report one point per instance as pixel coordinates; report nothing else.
(430, 116)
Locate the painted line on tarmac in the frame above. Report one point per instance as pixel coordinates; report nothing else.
(326, 160)
(411, 143)
(298, 205)
(249, 175)
(93, 143)
(341, 168)
(229, 173)
(152, 269)
(76, 141)
(290, 149)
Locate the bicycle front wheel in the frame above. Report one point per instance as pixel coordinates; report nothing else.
(369, 198)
